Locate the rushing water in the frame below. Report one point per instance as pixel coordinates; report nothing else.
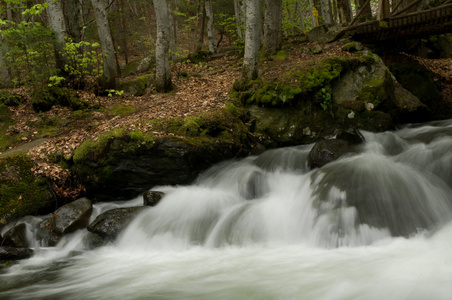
(374, 225)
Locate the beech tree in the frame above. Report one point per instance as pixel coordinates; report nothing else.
(72, 11)
(162, 70)
(252, 39)
(210, 27)
(272, 26)
(344, 9)
(109, 77)
(58, 25)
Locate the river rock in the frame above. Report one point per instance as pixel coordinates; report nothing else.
(326, 151)
(353, 136)
(152, 198)
(16, 237)
(72, 216)
(109, 224)
(12, 253)
(254, 186)
(66, 219)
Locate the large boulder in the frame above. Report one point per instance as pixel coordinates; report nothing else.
(324, 33)
(138, 66)
(326, 151)
(21, 193)
(109, 224)
(136, 86)
(15, 237)
(12, 253)
(66, 219)
(122, 164)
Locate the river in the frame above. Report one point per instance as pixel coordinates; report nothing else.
(376, 224)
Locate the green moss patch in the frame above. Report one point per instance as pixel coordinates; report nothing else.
(21, 193)
(123, 110)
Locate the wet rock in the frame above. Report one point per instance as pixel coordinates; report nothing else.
(109, 224)
(72, 216)
(152, 198)
(326, 151)
(353, 136)
(254, 187)
(12, 253)
(66, 219)
(15, 237)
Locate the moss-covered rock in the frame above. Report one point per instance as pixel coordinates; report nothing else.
(21, 193)
(122, 164)
(43, 99)
(136, 86)
(138, 66)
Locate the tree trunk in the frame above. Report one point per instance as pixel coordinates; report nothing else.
(272, 26)
(5, 76)
(367, 13)
(327, 14)
(162, 73)
(203, 26)
(106, 41)
(173, 30)
(210, 27)
(239, 9)
(345, 11)
(58, 25)
(252, 39)
(73, 19)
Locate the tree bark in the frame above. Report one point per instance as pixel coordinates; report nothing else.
(5, 76)
(345, 11)
(272, 26)
(162, 72)
(210, 27)
(240, 10)
(367, 13)
(252, 39)
(58, 25)
(73, 19)
(327, 13)
(108, 50)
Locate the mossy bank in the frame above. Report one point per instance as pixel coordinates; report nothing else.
(123, 163)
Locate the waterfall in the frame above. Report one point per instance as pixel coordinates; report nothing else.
(371, 225)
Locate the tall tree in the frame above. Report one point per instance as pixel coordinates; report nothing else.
(272, 26)
(367, 12)
(162, 70)
(252, 39)
(72, 12)
(240, 10)
(345, 11)
(58, 25)
(5, 78)
(210, 27)
(106, 41)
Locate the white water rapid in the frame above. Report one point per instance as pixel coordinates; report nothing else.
(373, 225)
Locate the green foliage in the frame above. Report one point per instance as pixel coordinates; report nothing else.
(83, 61)
(30, 52)
(9, 99)
(20, 192)
(43, 99)
(325, 98)
(227, 24)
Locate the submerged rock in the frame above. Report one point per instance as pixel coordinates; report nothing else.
(109, 224)
(152, 198)
(326, 151)
(12, 253)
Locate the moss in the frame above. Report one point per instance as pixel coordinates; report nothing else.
(280, 55)
(226, 123)
(374, 91)
(136, 86)
(43, 99)
(120, 139)
(20, 192)
(123, 110)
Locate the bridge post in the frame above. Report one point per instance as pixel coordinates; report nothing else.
(383, 9)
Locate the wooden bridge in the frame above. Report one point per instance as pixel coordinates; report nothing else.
(403, 25)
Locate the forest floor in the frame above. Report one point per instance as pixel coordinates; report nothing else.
(61, 130)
